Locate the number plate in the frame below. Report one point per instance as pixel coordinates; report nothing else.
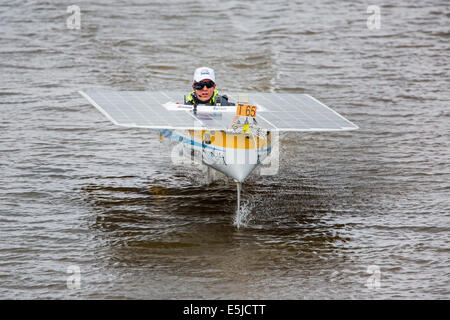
(246, 110)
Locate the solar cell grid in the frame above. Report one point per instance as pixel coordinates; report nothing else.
(283, 112)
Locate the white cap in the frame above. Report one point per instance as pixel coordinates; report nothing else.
(204, 73)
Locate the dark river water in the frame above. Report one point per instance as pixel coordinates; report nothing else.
(89, 210)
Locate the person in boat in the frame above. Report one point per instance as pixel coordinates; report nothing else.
(205, 90)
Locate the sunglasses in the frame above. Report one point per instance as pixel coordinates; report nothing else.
(200, 85)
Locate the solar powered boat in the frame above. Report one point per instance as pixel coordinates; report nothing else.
(233, 140)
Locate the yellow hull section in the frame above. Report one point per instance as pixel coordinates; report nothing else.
(230, 140)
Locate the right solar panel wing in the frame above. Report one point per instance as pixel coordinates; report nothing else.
(296, 112)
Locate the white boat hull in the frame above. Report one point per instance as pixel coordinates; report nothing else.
(235, 155)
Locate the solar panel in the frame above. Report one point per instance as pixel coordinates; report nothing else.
(159, 110)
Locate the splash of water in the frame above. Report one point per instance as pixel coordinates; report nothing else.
(243, 214)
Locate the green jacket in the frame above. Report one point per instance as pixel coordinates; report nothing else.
(216, 99)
